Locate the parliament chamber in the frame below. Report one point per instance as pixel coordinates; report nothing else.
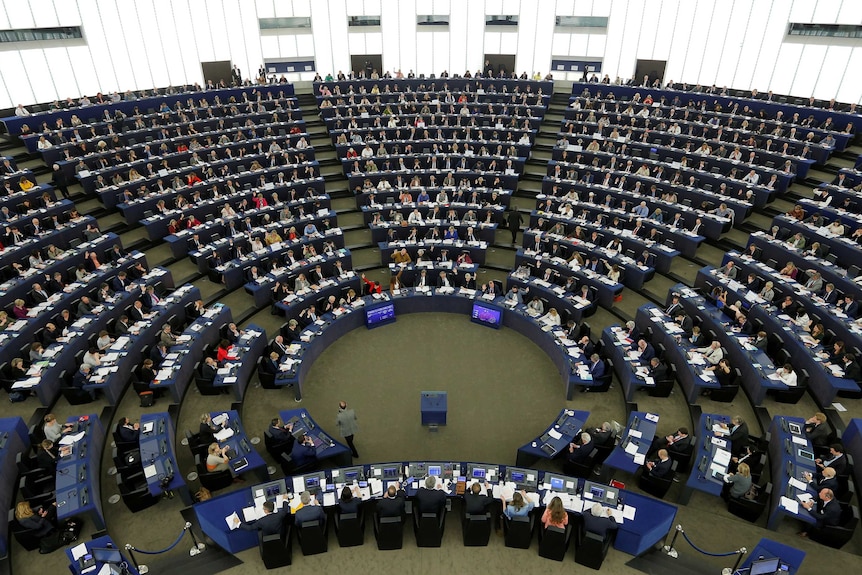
(382, 318)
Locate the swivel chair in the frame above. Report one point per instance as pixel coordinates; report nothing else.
(389, 532)
(518, 531)
(313, 537)
(428, 528)
(554, 542)
(350, 528)
(276, 550)
(476, 529)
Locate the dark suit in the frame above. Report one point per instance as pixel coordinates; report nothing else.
(269, 524)
(121, 328)
(826, 513)
(601, 438)
(39, 296)
(127, 434)
(580, 454)
(599, 525)
(46, 461)
(648, 353)
(839, 465)
(119, 285)
(661, 468)
(477, 504)
(659, 372)
(430, 500)
(853, 371)
(279, 348)
(302, 454)
(280, 435)
(393, 507)
(597, 369)
(208, 371)
(738, 438)
(309, 513)
(817, 434)
(136, 314)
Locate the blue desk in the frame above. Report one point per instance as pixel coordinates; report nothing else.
(753, 364)
(692, 377)
(630, 371)
(432, 248)
(241, 446)
(243, 361)
(605, 289)
(434, 406)
(844, 248)
(63, 236)
(700, 478)
(567, 305)
(509, 182)
(156, 441)
(103, 542)
(325, 446)
(317, 337)
(569, 424)
(633, 275)
(261, 290)
(177, 370)
(13, 123)
(639, 421)
(652, 522)
(785, 462)
(767, 549)
(15, 439)
(852, 440)
(78, 473)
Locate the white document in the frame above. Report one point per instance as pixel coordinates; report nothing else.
(223, 434)
(652, 417)
(799, 441)
(79, 551)
(554, 433)
(790, 505)
(631, 448)
(298, 484)
(329, 499)
(232, 521)
(639, 458)
(70, 439)
(722, 457)
(797, 484)
(150, 471)
(629, 512)
(635, 433)
(376, 486)
(804, 497)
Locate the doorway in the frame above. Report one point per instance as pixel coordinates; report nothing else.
(217, 71)
(652, 68)
(367, 63)
(497, 62)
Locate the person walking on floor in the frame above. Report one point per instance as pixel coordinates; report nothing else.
(514, 221)
(347, 426)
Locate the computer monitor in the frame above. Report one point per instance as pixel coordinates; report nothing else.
(386, 471)
(523, 478)
(435, 470)
(561, 483)
(315, 482)
(485, 314)
(107, 555)
(765, 566)
(417, 469)
(377, 315)
(270, 490)
(601, 493)
(805, 454)
(351, 474)
(481, 472)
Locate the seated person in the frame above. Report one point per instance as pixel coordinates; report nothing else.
(39, 521)
(217, 458)
(392, 502)
(661, 467)
(128, 431)
(599, 520)
(272, 523)
(580, 450)
(303, 451)
(349, 500)
(474, 502)
(429, 499)
(555, 514)
(738, 483)
(824, 509)
(310, 511)
(281, 433)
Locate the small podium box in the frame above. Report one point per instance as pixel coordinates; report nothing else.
(433, 406)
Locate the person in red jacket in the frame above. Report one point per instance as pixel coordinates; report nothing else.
(372, 287)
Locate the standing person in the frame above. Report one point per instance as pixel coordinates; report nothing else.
(347, 426)
(514, 220)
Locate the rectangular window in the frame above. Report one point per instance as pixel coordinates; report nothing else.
(299, 23)
(363, 21)
(502, 20)
(594, 23)
(41, 34)
(825, 30)
(430, 20)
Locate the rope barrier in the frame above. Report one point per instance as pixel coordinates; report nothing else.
(696, 548)
(166, 549)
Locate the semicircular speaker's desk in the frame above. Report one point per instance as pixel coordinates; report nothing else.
(650, 524)
(330, 327)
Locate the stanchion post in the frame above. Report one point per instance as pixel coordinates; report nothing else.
(142, 569)
(669, 549)
(197, 547)
(742, 552)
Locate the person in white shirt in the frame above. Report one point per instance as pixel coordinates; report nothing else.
(713, 353)
(551, 318)
(21, 111)
(751, 177)
(415, 218)
(787, 375)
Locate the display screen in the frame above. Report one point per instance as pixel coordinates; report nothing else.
(379, 315)
(435, 470)
(478, 474)
(517, 477)
(556, 483)
(487, 315)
